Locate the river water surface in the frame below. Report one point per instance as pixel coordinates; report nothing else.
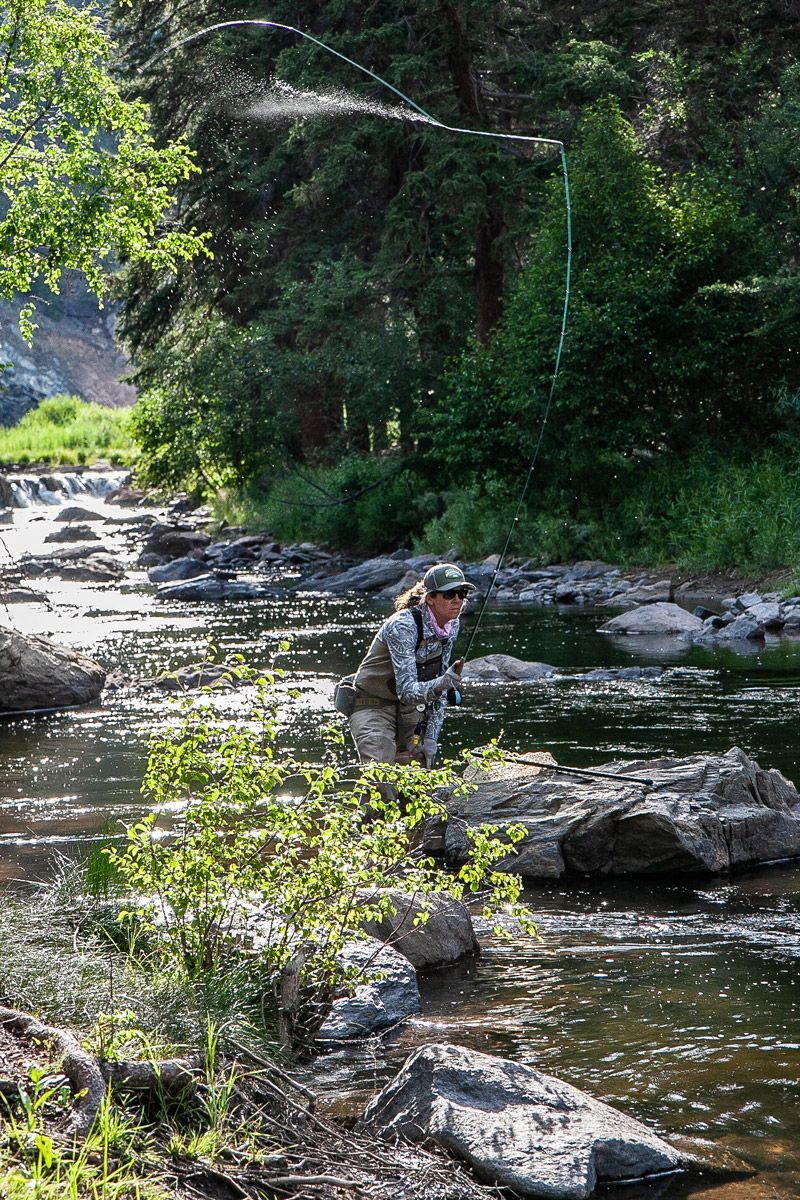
(675, 999)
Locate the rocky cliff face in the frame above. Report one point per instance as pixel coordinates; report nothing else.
(73, 351)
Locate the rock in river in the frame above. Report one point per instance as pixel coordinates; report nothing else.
(516, 1127)
(213, 588)
(388, 993)
(36, 673)
(429, 931)
(704, 813)
(653, 619)
(504, 668)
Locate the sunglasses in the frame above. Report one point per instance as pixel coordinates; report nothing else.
(460, 593)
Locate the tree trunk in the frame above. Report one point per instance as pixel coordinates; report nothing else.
(489, 275)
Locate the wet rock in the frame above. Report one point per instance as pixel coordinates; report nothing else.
(21, 595)
(213, 589)
(128, 497)
(196, 675)
(76, 512)
(767, 614)
(443, 936)
(369, 576)
(83, 564)
(612, 674)
(704, 813)
(747, 600)
(73, 533)
(653, 619)
(504, 668)
(37, 673)
(375, 1003)
(516, 1127)
(660, 592)
(179, 569)
(740, 631)
(173, 541)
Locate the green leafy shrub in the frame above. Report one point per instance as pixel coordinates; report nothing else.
(297, 851)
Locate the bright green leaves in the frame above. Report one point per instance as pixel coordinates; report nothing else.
(80, 175)
(285, 855)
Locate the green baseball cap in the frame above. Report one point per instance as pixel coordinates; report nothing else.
(445, 577)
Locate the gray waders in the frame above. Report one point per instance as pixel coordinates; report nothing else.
(383, 729)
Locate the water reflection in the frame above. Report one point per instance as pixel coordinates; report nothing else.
(677, 1002)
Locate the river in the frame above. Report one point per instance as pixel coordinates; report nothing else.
(674, 999)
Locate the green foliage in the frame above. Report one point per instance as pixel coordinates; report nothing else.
(712, 513)
(362, 503)
(81, 176)
(298, 852)
(381, 286)
(65, 429)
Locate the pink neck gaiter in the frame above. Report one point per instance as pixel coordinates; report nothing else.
(441, 632)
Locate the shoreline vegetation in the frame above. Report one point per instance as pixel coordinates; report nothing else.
(711, 515)
(65, 431)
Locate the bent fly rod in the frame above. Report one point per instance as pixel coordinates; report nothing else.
(583, 772)
(428, 119)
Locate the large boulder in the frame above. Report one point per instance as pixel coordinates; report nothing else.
(516, 1127)
(36, 673)
(653, 619)
(429, 931)
(504, 668)
(703, 813)
(382, 993)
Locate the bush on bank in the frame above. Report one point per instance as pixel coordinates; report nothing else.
(704, 512)
(66, 430)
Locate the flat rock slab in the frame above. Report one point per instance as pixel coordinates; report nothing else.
(653, 619)
(704, 813)
(36, 673)
(387, 995)
(515, 1126)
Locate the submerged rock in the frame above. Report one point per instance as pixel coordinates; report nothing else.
(387, 995)
(37, 673)
(704, 813)
(516, 1127)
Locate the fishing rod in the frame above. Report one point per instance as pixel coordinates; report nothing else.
(485, 133)
(584, 772)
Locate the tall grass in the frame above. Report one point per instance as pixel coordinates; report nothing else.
(66, 430)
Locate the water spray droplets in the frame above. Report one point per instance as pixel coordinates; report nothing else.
(281, 102)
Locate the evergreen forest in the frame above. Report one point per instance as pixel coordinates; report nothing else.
(367, 357)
